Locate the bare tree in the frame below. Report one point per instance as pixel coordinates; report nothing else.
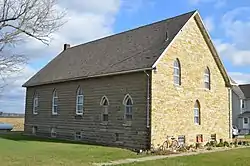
(21, 19)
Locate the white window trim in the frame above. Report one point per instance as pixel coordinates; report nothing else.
(53, 103)
(77, 101)
(104, 106)
(177, 75)
(241, 103)
(35, 104)
(197, 116)
(125, 104)
(244, 124)
(198, 110)
(207, 75)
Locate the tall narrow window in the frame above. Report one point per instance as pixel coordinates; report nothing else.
(35, 103)
(79, 101)
(128, 103)
(243, 104)
(177, 72)
(197, 119)
(105, 104)
(54, 103)
(207, 80)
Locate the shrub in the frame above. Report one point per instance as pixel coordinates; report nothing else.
(221, 144)
(207, 144)
(164, 152)
(182, 149)
(198, 145)
(213, 143)
(209, 148)
(226, 144)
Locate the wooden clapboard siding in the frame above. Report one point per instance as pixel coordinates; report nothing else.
(67, 123)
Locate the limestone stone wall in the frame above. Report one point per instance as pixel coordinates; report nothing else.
(172, 106)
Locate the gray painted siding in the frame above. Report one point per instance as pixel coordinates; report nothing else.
(67, 123)
(235, 108)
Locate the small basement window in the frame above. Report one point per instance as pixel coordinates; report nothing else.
(78, 136)
(213, 137)
(53, 132)
(199, 138)
(181, 139)
(34, 130)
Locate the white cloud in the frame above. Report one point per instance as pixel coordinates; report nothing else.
(209, 23)
(228, 51)
(86, 20)
(240, 78)
(12, 97)
(236, 27)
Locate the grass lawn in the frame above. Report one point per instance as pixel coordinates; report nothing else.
(19, 150)
(239, 157)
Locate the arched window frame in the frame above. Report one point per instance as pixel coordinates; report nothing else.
(128, 112)
(35, 103)
(177, 72)
(197, 113)
(207, 78)
(54, 102)
(105, 105)
(79, 101)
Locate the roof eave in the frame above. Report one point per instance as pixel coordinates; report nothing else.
(87, 77)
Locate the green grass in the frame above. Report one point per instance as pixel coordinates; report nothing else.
(239, 157)
(19, 150)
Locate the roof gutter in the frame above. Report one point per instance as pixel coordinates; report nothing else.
(87, 77)
(148, 97)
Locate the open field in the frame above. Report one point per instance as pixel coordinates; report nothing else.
(19, 150)
(17, 122)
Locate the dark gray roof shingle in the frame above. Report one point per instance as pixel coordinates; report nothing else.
(245, 88)
(131, 50)
(238, 91)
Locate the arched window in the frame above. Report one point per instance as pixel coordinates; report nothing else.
(177, 72)
(105, 104)
(197, 119)
(79, 101)
(207, 80)
(35, 103)
(128, 103)
(54, 103)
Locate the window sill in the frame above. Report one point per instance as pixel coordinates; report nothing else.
(54, 114)
(178, 87)
(208, 90)
(127, 124)
(104, 123)
(118, 142)
(78, 116)
(35, 114)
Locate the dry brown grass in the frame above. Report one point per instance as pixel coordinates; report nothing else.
(17, 122)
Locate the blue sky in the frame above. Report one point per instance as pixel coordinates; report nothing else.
(227, 21)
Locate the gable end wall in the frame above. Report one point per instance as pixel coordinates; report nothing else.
(172, 107)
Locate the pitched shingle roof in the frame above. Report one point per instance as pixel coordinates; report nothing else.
(128, 51)
(245, 88)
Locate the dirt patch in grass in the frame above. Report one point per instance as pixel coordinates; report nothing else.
(17, 122)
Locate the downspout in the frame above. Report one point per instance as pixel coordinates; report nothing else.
(148, 97)
(230, 110)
